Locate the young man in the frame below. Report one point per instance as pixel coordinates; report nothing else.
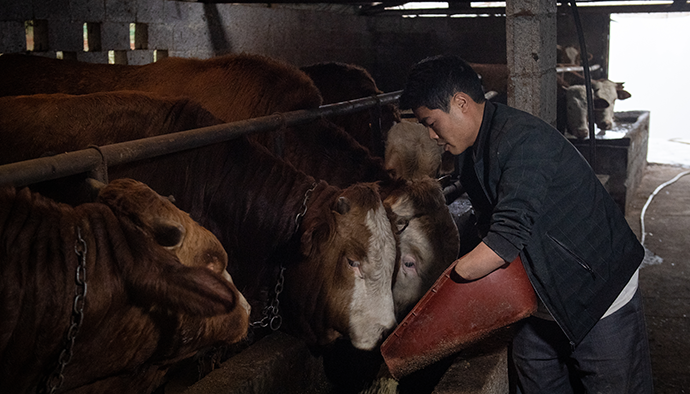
(535, 196)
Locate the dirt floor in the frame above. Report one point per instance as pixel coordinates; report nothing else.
(665, 285)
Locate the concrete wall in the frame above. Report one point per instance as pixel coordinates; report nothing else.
(387, 46)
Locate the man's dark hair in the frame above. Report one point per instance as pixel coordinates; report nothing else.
(434, 80)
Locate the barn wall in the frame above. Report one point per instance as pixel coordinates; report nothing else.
(386, 45)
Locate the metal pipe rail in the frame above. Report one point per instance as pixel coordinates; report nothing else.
(98, 158)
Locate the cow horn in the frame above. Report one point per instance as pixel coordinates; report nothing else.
(343, 205)
(168, 233)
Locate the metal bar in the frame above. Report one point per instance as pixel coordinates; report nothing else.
(566, 69)
(58, 166)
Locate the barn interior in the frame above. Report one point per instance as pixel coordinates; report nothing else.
(387, 38)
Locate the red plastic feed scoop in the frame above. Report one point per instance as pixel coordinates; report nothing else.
(453, 315)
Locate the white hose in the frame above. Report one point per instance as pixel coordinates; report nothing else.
(649, 200)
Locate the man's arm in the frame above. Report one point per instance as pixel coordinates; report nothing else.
(479, 262)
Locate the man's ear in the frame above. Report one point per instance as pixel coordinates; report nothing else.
(460, 100)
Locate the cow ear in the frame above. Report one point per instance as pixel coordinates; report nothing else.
(622, 93)
(168, 233)
(342, 206)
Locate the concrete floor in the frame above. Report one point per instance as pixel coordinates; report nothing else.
(665, 285)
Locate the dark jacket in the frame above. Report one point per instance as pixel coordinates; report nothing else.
(535, 195)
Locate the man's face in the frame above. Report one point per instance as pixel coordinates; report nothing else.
(454, 130)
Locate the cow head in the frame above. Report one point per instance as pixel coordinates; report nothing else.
(344, 282)
(172, 228)
(174, 231)
(603, 89)
(429, 240)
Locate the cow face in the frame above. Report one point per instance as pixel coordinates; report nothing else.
(576, 101)
(350, 253)
(170, 227)
(608, 91)
(429, 240)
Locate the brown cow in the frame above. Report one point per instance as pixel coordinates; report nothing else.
(151, 300)
(231, 87)
(340, 82)
(113, 117)
(251, 201)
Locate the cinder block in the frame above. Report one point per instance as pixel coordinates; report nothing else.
(13, 10)
(151, 11)
(87, 10)
(140, 57)
(93, 57)
(160, 36)
(182, 11)
(194, 38)
(66, 35)
(53, 10)
(12, 37)
(115, 36)
(120, 10)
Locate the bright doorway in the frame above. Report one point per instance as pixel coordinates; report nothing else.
(650, 53)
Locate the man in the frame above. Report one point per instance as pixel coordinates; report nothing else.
(535, 196)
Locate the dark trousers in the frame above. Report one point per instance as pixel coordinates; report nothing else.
(613, 358)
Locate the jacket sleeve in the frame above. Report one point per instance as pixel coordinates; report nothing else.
(525, 159)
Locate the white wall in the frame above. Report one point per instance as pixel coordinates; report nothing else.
(651, 53)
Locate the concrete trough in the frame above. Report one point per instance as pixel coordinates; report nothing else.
(621, 154)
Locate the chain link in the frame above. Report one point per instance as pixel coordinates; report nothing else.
(271, 313)
(300, 215)
(56, 378)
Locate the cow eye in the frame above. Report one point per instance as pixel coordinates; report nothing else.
(408, 264)
(353, 263)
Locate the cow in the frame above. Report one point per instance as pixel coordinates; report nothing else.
(112, 116)
(340, 82)
(231, 87)
(154, 296)
(344, 244)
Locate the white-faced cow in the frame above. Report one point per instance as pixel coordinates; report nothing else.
(270, 216)
(154, 295)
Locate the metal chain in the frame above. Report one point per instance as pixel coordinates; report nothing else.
(56, 378)
(300, 215)
(271, 313)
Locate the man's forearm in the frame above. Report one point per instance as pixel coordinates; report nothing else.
(479, 262)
